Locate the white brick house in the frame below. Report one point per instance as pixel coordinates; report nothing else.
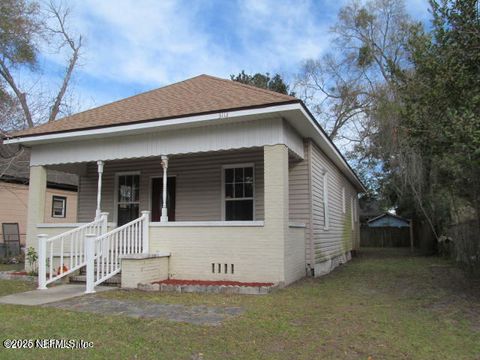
(234, 182)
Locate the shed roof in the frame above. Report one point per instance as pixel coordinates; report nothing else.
(388, 220)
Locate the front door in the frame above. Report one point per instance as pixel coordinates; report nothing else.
(128, 199)
(157, 198)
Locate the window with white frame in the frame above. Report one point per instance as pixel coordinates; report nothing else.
(351, 212)
(326, 211)
(355, 209)
(344, 204)
(239, 188)
(59, 206)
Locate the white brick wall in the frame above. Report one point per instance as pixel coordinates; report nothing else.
(135, 271)
(269, 253)
(295, 264)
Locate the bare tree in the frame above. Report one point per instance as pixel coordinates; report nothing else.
(368, 47)
(61, 13)
(28, 25)
(25, 28)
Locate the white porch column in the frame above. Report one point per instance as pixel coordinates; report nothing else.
(36, 203)
(90, 260)
(146, 231)
(164, 216)
(42, 261)
(98, 212)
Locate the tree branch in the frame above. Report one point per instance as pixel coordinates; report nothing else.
(61, 16)
(21, 96)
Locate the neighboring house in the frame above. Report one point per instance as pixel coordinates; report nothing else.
(60, 197)
(255, 191)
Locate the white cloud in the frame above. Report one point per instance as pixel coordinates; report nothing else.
(157, 42)
(146, 44)
(289, 32)
(143, 42)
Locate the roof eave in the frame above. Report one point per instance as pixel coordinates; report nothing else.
(193, 120)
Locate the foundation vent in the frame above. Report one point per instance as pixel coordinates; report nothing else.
(219, 268)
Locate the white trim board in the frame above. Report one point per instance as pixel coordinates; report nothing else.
(216, 118)
(208, 224)
(66, 225)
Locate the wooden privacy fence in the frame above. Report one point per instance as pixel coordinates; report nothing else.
(384, 236)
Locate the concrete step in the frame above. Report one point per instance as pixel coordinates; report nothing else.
(83, 270)
(115, 280)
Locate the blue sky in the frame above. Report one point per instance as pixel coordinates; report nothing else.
(134, 46)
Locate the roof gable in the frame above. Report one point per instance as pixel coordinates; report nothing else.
(199, 95)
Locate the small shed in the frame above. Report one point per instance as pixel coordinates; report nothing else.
(387, 230)
(388, 220)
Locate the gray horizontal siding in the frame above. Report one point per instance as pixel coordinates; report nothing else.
(198, 183)
(339, 237)
(299, 195)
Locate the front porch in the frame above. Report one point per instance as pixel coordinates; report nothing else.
(226, 215)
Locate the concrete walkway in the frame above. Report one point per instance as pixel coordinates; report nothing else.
(197, 314)
(72, 298)
(53, 294)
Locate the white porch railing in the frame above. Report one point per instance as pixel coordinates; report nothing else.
(103, 252)
(69, 248)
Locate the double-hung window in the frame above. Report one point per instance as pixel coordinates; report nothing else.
(239, 185)
(59, 206)
(326, 211)
(352, 207)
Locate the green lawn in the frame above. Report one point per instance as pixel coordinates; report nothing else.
(380, 305)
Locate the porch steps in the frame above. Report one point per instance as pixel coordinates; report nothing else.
(115, 280)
